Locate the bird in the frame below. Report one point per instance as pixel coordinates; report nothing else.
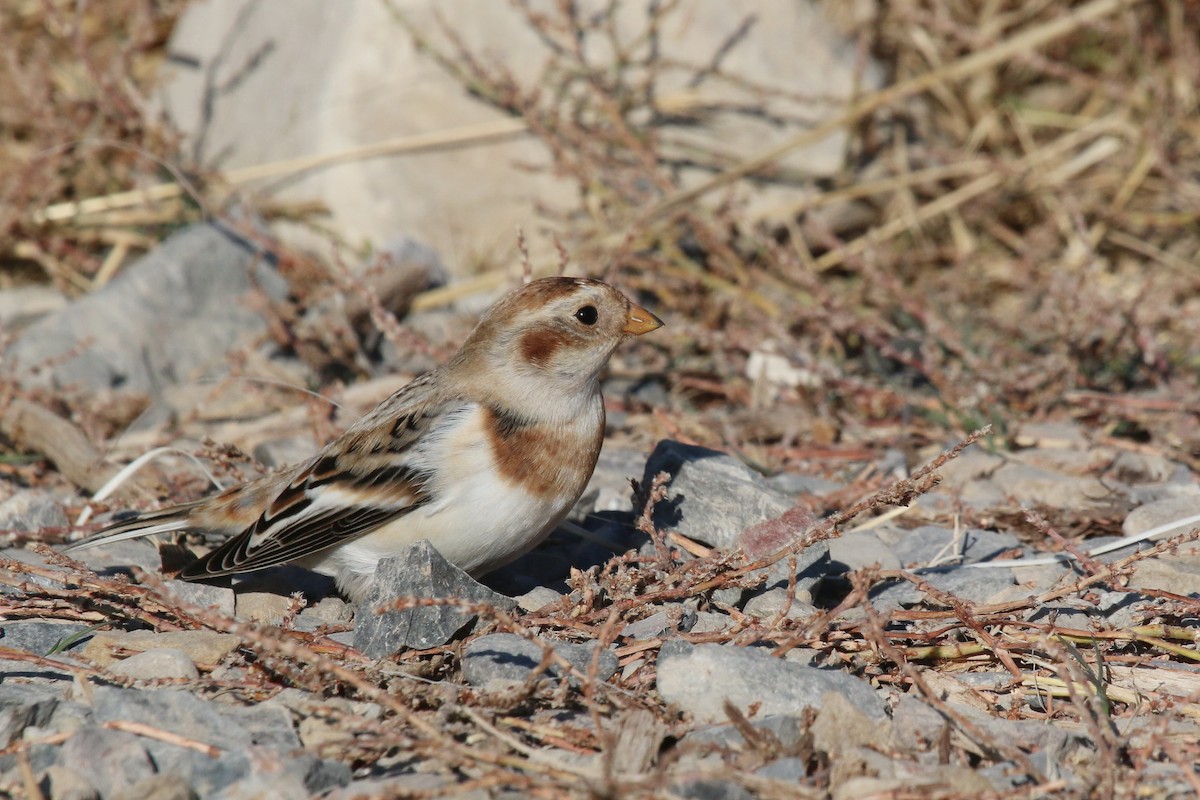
(483, 456)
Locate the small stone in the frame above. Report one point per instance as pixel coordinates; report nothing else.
(23, 705)
(916, 726)
(972, 585)
(111, 760)
(420, 572)
(62, 783)
(971, 467)
(264, 607)
(710, 789)
(793, 484)
(214, 598)
(158, 787)
(204, 648)
(790, 769)
(711, 496)
(812, 564)
(702, 681)
(1033, 485)
(770, 603)
(42, 637)
(1160, 513)
(1051, 435)
(840, 727)
(731, 597)
(538, 598)
(277, 784)
(676, 618)
(1178, 574)
(120, 556)
(860, 549)
(932, 545)
(508, 657)
(31, 510)
(329, 611)
(167, 317)
(157, 664)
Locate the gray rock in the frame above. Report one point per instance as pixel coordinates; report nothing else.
(1033, 485)
(790, 769)
(323, 774)
(419, 572)
(269, 726)
(916, 725)
(789, 731)
(711, 496)
(972, 585)
(1176, 573)
(793, 484)
(217, 598)
(771, 602)
(279, 453)
(971, 467)
(277, 784)
(31, 510)
(40, 637)
(165, 319)
(729, 597)
(112, 760)
(1051, 435)
(538, 598)
(1065, 615)
(157, 664)
(701, 681)
(120, 556)
(812, 565)
(62, 783)
(22, 305)
(265, 607)
(1163, 512)
(158, 787)
(22, 705)
(202, 647)
(173, 710)
(710, 789)
(861, 549)
(675, 618)
(509, 658)
(328, 611)
(921, 547)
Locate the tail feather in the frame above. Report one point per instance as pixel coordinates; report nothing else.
(154, 523)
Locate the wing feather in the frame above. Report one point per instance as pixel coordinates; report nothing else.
(362, 480)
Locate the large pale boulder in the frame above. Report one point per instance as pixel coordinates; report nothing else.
(259, 81)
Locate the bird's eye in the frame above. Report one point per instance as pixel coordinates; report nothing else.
(587, 315)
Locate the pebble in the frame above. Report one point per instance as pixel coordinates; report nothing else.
(421, 572)
(156, 664)
(201, 647)
(711, 496)
(264, 607)
(702, 681)
(506, 659)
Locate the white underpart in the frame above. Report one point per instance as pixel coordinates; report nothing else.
(477, 519)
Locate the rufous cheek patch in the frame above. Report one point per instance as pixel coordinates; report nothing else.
(539, 346)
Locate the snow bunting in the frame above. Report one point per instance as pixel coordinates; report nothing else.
(483, 456)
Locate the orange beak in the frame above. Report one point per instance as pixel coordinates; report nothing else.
(639, 321)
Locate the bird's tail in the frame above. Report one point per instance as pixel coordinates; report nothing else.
(166, 520)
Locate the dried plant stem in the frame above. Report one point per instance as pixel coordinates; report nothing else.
(1023, 42)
